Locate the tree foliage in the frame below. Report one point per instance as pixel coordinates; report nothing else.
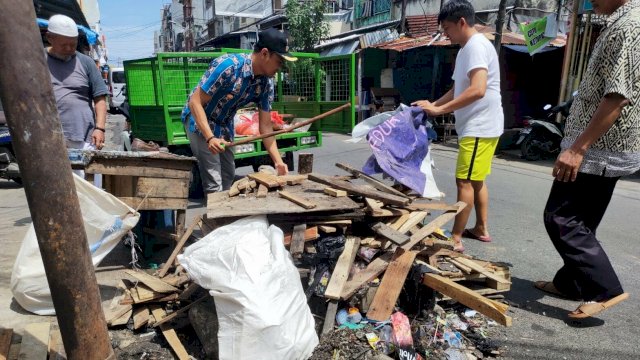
(306, 23)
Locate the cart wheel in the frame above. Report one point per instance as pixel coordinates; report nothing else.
(529, 152)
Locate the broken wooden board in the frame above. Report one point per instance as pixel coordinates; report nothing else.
(265, 179)
(5, 343)
(310, 234)
(141, 203)
(183, 239)
(375, 268)
(170, 335)
(220, 205)
(359, 190)
(235, 187)
(297, 199)
(342, 269)
(291, 179)
(371, 180)
(467, 297)
(122, 320)
(152, 282)
(376, 209)
(297, 240)
(35, 341)
(424, 206)
(498, 281)
(399, 221)
(389, 233)
(334, 192)
(262, 191)
(327, 229)
(415, 218)
(433, 226)
(166, 318)
(330, 318)
(391, 285)
(140, 317)
(115, 310)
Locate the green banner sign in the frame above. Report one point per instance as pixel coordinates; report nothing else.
(534, 35)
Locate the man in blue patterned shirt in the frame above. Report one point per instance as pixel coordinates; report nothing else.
(231, 82)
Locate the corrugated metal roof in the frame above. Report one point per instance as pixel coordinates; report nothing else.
(508, 38)
(422, 25)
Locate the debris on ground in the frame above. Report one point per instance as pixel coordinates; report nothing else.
(375, 266)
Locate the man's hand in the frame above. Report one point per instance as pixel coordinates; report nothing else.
(567, 165)
(97, 139)
(428, 107)
(281, 168)
(216, 146)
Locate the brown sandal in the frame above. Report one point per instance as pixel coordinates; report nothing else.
(593, 308)
(549, 288)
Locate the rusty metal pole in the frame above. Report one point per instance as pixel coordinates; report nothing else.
(29, 105)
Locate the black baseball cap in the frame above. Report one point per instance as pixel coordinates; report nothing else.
(275, 41)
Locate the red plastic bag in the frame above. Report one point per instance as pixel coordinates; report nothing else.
(250, 126)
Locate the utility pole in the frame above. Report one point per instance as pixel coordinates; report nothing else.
(502, 12)
(39, 143)
(403, 17)
(188, 18)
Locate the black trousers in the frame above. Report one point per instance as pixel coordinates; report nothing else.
(572, 215)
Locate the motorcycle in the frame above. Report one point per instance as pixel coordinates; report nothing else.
(8, 164)
(541, 138)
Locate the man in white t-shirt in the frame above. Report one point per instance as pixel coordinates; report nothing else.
(476, 103)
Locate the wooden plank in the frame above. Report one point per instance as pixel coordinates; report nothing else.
(297, 240)
(160, 169)
(115, 309)
(468, 298)
(183, 240)
(170, 335)
(262, 191)
(415, 218)
(375, 268)
(397, 223)
(465, 269)
(152, 282)
(334, 192)
(125, 186)
(391, 285)
(265, 179)
(220, 205)
(190, 290)
(297, 199)
(235, 187)
(122, 320)
(389, 233)
(141, 203)
(343, 267)
(35, 341)
(490, 275)
(5, 343)
(292, 180)
(173, 315)
(330, 317)
(371, 180)
(56, 347)
(351, 188)
(422, 206)
(433, 226)
(310, 233)
(140, 317)
(142, 293)
(327, 229)
(162, 188)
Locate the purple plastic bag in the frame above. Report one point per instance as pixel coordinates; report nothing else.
(399, 145)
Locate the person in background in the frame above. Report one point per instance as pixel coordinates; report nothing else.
(601, 144)
(231, 82)
(78, 87)
(476, 103)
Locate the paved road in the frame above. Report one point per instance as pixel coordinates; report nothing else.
(518, 191)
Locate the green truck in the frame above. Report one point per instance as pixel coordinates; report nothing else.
(158, 87)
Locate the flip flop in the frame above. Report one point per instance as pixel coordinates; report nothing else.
(470, 235)
(593, 308)
(549, 288)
